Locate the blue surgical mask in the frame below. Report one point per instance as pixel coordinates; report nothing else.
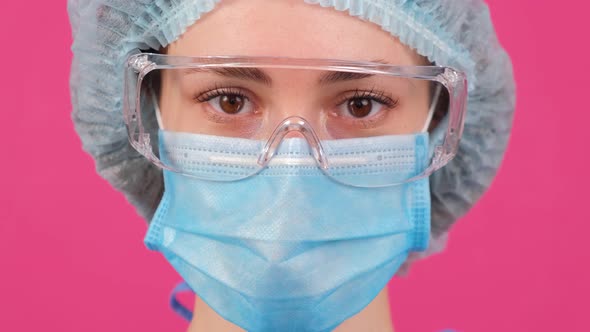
(290, 249)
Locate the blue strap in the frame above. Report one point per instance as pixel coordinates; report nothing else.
(178, 307)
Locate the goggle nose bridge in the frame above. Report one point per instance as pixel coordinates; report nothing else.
(290, 124)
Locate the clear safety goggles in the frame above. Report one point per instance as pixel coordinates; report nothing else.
(269, 99)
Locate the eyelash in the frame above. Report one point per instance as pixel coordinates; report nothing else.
(218, 91)
(375, 95)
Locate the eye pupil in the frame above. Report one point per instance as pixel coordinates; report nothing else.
(360, 107)
(231, 104)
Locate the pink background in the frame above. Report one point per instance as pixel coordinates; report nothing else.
(71, 250)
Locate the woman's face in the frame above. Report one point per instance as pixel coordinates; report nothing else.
(245, 107)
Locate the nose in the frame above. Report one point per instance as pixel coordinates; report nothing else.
(293, 126)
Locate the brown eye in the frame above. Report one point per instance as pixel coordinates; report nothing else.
(360, 107)
(231, 104)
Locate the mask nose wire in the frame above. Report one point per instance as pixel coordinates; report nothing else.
(293, 123)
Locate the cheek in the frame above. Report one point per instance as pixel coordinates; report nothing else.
(171, 100)
(415, 112)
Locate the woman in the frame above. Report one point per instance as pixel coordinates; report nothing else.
(296, 143)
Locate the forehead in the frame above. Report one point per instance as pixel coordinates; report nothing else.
(290, 28)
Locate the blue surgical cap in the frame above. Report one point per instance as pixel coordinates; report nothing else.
(455, 33)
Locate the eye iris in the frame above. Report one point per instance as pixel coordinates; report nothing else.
(231, 104)
(360, 107)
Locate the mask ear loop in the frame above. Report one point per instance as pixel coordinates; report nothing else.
(175, 304)
(432, 108)
(156, 108)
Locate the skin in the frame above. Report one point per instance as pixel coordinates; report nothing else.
(274, 28)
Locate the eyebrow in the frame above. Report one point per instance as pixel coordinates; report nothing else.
(258, 75)
(253, 74)
(340, 76)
